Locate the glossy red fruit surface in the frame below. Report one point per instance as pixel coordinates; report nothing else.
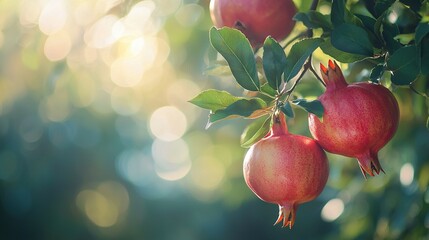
(359, 119)
(286, 169)
(257, 19)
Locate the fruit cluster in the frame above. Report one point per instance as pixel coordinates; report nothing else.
(282, 168)
(358, 120)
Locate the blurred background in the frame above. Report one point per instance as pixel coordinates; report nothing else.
(98, 141)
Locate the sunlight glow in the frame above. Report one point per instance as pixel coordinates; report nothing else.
(104, 205)
(406, 175)
(332, 210)
(168, 123)
(53, 17)
(172, 160)
(57, 46)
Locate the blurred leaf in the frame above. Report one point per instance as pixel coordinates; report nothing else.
(405, 38)
(287, 109)
(340, 14)
(424, 57)
(218, 68)
(314, 19)
(314, 106)
(427, 123)
(298, 55)
(376, 73)
(242, 107)
(421, 31)
(274, 62)
(404, 65)
(389, 32)
(368, 24)
(352, 39)
(339, 55)
(236, 49)
(413, 4)
(266, 88)
(381, 6)
(255, 131)
(214, 99)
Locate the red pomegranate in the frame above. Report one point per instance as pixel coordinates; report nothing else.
(257, 19)
(286, 169)
(359, 119)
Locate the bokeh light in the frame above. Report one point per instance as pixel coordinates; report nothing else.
(332, 209)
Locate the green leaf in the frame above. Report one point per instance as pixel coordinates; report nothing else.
(314, 19)
(314, 107)
(421, 30)
(255, 131)
(404, 65)
(339, 55)
(242, 107)
(338, 12)
(236, 49)
(405, 38)
(424, 58)
(287, 109)
(352, 39)
(274, 61)
(214, 99)
(298, 54)
(376, 73)
(389, 32)
(427, 123)
(381, 6)
(266, 88)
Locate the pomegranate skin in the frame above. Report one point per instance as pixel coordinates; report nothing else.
(257, 19)
(359, 119)
(286, 169)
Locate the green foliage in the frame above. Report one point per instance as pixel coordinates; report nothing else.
(314, 107)
(255, 131)
(236, 49)
(351, 39)
(274, 61)
(286, 108)
(298, 55)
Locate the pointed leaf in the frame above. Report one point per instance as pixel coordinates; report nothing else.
(266, 88)
(236, 49)
(404, 65)
(314, 19)
(421, 31)
(339, 55)
(352, 39)
(287, 110)
(314, 107)
(242, 107)
(298, 55)
(255, 131)
(274, 61)
(376, 73)
(214, 99)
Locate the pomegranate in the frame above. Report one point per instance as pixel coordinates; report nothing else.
(359, 119)
(285, 169)
(257, 19)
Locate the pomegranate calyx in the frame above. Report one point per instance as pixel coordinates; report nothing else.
(369, 164)
(287, 213)
(332, 76)
(279, 126)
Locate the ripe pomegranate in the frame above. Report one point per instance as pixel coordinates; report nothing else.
(286, 169)
(359, 119)
(257, 19)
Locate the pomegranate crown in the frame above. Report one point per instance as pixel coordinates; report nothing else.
(332, 75)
